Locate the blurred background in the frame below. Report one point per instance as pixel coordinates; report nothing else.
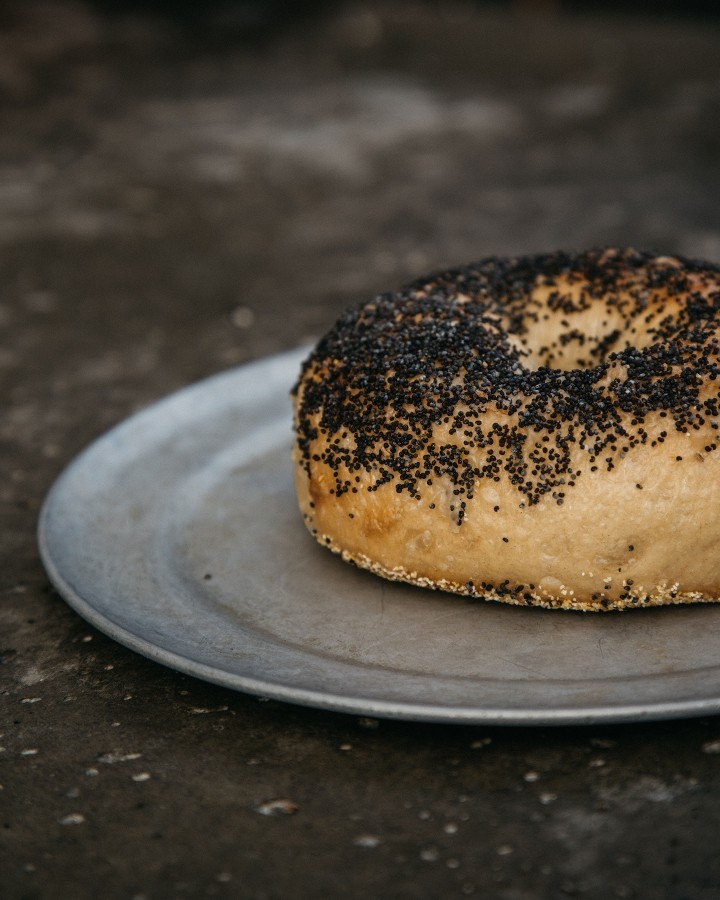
(249, 167)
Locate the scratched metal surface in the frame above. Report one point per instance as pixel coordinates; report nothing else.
(178, 534)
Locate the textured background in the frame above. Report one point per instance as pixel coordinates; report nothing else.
(183, 191)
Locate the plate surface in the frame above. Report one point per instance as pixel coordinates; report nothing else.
(178, 535)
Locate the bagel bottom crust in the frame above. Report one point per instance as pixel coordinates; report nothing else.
(642, 535)
(642, 594)
(663, 595)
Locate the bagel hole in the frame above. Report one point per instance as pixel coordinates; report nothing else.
(559, 329)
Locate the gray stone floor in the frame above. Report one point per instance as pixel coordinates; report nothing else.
(177, 199)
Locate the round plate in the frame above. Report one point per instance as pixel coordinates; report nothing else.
(177, 533)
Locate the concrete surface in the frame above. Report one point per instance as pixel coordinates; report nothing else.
(180, 196)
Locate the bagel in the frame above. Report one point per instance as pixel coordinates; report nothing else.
(541, 431)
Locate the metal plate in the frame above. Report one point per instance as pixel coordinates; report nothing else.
(177, 534)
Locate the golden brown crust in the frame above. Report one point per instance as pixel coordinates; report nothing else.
(540, 431)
